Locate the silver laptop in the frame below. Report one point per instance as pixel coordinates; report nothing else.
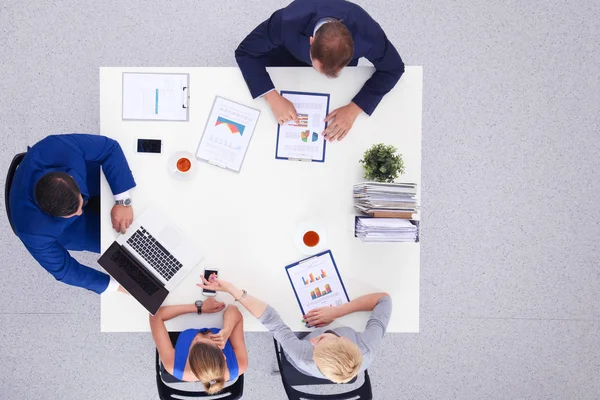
(151, 259)
(161, 247)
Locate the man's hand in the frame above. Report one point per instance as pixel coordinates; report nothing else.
(122, 290)
(343, 119)
(221, 338)
(282, 108)
(211, 305)
(122, 217)
(321, 316)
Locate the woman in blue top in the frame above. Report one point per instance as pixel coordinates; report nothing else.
(212, 356)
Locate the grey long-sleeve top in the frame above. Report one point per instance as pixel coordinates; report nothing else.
(300, 351)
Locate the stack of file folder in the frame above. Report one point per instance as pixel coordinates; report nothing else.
(370, 229)
(389, 200)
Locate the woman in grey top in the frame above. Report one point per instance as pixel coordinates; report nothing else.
(338, 354)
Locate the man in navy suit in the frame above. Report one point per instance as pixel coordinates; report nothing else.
(55, 203)
(327, 35)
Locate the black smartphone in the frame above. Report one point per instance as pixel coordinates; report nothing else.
(149, 146)
(207, 273)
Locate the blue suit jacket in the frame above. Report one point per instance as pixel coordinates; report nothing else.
(292, 27)
(45, 236)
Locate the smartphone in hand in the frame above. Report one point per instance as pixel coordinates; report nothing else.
(207, 273)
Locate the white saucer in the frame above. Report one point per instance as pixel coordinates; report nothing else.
(304, 227)
(172, 166)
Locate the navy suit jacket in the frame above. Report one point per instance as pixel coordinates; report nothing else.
(45, 236)
(292, 27)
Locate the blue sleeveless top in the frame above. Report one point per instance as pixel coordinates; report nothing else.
(182, 349)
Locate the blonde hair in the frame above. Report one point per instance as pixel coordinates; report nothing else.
(338, 359)
(208, 364)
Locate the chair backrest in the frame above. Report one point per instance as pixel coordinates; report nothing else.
(290, 377)
(166, 392)
(9, 179)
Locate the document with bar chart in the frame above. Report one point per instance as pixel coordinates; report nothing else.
(302, 139)
(317, 283)
(155, 96)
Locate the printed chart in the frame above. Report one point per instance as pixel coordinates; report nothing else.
(311, 277)
(303, 139)
(304, 135)
(317, 283)
(227, 134)
(314, 294)
(302, 121)
(234, 127)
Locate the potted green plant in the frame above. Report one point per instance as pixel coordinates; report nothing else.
(382, 163)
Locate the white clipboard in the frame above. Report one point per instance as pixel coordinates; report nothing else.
(227, 134)
(155, 96)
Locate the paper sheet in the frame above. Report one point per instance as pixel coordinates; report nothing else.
(227, 134)
(317, 283)
(304, 139)
(386, 230)
(158, 97)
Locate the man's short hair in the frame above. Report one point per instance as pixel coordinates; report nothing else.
(333, 47)
(338, 359)
(57, 194)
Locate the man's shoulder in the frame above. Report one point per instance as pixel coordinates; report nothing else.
(31, 223)
(322, 9)
(35, 226)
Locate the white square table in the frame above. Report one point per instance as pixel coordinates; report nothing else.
(244, 223)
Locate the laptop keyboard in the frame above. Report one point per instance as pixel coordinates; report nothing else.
(154, 253)
(135, 273)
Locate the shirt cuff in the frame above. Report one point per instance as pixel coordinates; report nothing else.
(122, 196)
(268, 91)
(113, 285)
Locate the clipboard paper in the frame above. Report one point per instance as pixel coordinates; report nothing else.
(317, 283)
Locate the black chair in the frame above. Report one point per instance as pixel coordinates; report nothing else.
(290, 377)
(9, 179)
(165, 392)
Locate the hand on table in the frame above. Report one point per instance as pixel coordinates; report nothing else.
(221, 338)
(122, 290)
(215, 284)
(121, 217)
(282, 108)
(343, 119)
(211, 305)
(320, 317)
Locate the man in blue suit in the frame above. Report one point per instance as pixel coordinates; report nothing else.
(55, 203)
(327, 35)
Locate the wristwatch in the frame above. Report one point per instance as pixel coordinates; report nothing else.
(199, 306)
(125, 202)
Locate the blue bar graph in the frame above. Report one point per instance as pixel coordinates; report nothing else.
(156, 103)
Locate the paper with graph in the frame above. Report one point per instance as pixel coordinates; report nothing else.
(303, 139)
(317, 282)
(227, 134)
(155, 96)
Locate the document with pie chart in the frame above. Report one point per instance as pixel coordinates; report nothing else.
(302, 139)
(227, 134)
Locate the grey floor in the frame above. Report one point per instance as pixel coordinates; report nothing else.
(510, 255)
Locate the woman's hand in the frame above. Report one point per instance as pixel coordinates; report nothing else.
(215, 284)
(211, 305)
(321, 316)
(221, 338)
